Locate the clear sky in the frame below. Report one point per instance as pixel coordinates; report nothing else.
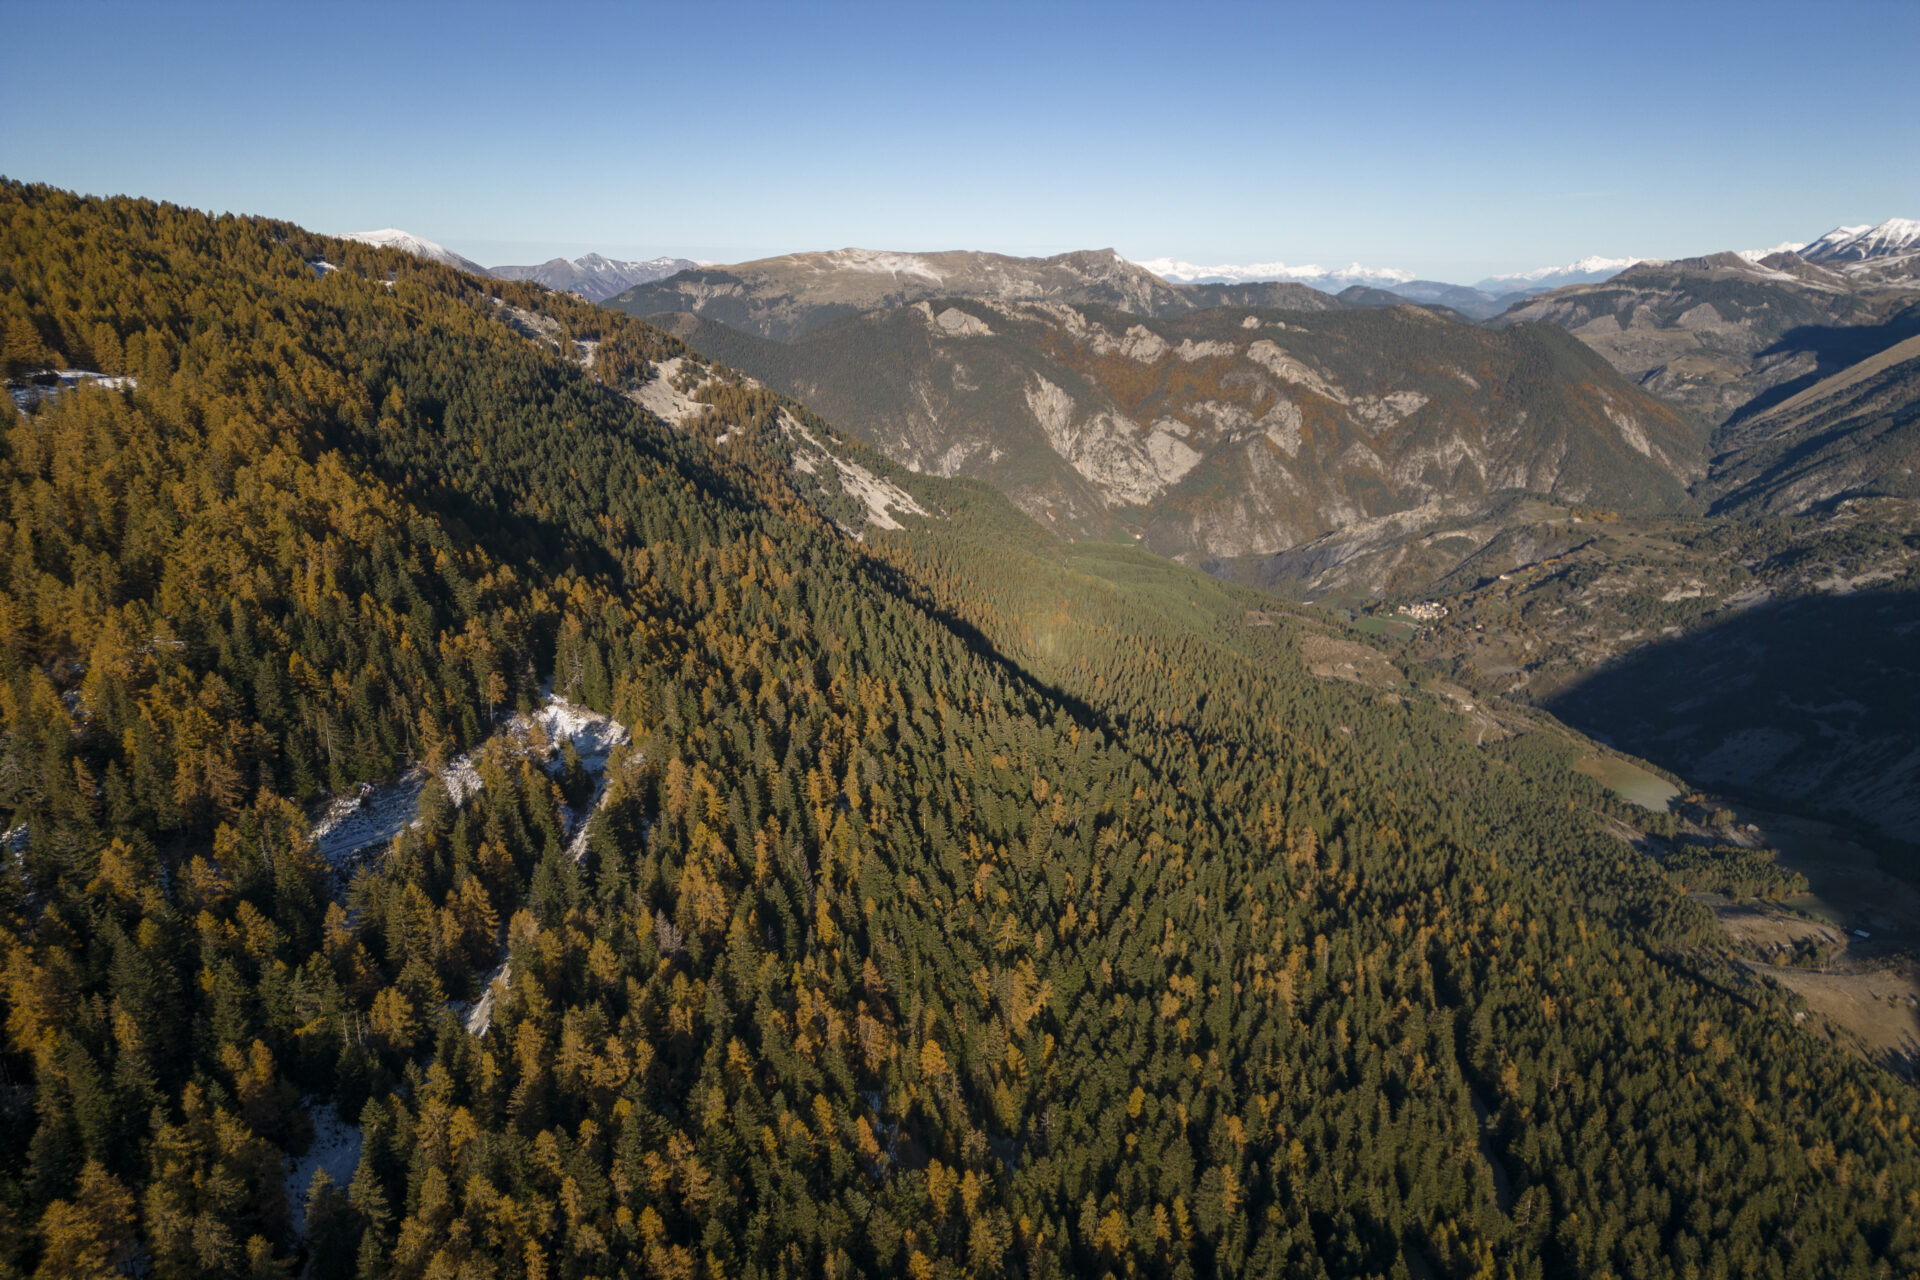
(1454, 140)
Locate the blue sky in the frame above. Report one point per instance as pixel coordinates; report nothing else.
(1454, 140)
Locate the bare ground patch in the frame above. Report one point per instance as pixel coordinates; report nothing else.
(1334, 659)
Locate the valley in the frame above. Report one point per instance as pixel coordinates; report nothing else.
(1596, 539)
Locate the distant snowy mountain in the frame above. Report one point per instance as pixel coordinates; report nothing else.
(596, 278)
(1895, 237)
(1785, 246)
(1588, 270)
(1328, 280)
(407, 242)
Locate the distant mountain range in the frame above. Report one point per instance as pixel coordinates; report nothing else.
(784, 297)
(1495, 294)
(592, 277)
(1726, 337)
(596, 278)
(1329, 280)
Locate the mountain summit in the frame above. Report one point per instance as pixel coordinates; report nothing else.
(1894, 238)
(418, 246)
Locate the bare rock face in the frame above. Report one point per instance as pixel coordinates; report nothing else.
(1226, 432)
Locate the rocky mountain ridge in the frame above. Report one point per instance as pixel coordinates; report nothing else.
(1228, 431)
(786, 297)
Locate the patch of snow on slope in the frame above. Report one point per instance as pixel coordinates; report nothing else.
(50, 384)
(1826, 244)
(418, 246)
(377, 813)
(335, 1148)
(1894, 237)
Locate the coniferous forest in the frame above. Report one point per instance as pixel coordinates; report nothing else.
(964, 903)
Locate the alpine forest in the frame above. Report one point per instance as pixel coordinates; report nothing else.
(491, 792)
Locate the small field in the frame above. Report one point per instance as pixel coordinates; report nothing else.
(1392, 628)
(1628, 781)
(1878, 1008)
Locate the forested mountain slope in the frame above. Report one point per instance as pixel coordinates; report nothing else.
(965, 904)
(1228, 431)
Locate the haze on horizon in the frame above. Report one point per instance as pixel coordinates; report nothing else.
(1455, 143)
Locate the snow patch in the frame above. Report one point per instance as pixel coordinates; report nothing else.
(335, 1149)
(1587, 270)
(377, 813)
(418, 246)
(1785, 246)
(51, 384)
(1855, 244)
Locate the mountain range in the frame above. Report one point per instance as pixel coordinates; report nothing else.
(785, 297)
(1721, 334)
(592, 277)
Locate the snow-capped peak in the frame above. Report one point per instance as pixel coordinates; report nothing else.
(1854, 244)
(1330, 279)
(418, 246)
